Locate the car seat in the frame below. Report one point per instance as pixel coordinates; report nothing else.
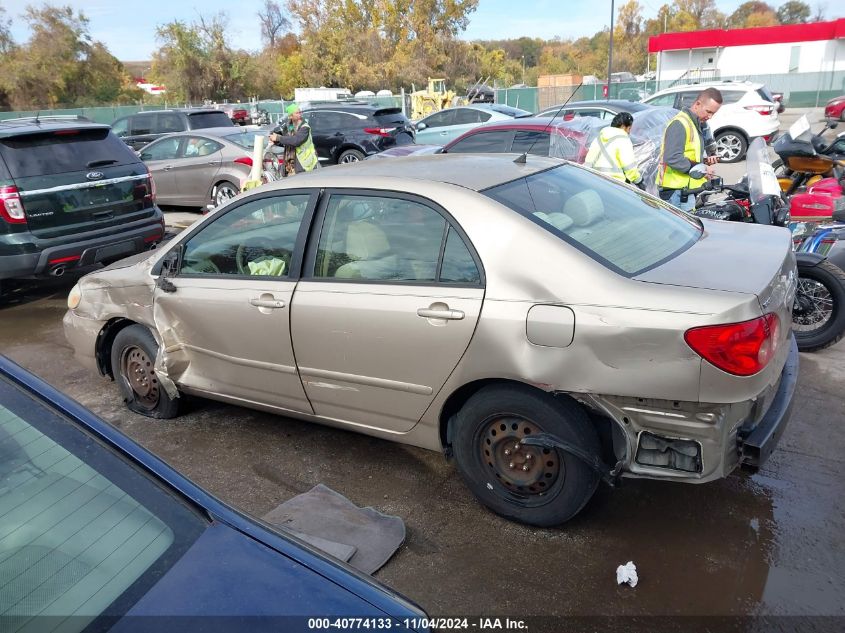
(367, 246)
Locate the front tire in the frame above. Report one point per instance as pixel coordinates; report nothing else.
(818, 316)
(528, 484)
(730, 146)
(133, 355)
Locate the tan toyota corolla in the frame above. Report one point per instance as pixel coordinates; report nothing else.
(546, 327)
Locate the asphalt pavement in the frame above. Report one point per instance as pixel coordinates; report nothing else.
(769, 545)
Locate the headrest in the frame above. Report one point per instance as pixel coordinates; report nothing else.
(584, 207)
(364, 240)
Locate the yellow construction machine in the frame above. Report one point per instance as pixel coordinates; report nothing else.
(434, 98)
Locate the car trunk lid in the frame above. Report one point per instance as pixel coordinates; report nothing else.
(736, 257)
(73, 180)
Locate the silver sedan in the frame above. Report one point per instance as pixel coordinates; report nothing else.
(200, 167)
(543, 325)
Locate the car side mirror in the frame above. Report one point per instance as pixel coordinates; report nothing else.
(421, 126)
(146, 156)
(169, 268)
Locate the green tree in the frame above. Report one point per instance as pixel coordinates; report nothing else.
(739, 18)
(60, 65)
(794, 12)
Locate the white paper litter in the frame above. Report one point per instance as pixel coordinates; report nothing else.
(627, 573)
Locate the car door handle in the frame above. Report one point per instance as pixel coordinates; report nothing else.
(451, 315)
(212, 162)
(167, 168)
(267, 303)
(444, 133)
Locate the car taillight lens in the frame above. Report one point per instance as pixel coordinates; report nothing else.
(150, 198)
(742, 349)
(244, 160)
(761, 110)
(11, 207)
(379, 131)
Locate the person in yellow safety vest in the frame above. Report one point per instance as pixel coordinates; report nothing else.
(683, 148)
(300, 153)
(612, 152)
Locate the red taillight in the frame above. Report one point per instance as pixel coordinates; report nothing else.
(65, 260)
(65, 132)
(151, 198)
(379, 131)
(761, 110)
(244, 160)
(11, 207)
(742, 349)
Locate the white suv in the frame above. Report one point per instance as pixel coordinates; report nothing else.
(748, 111)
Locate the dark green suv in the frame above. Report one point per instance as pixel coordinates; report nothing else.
(72, 194)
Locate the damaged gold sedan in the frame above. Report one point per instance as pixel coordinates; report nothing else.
(546, 327)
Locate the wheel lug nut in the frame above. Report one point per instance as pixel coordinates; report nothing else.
(516, 446)
(529, 456)
(511, 465)
(525, 468)
(507, 451)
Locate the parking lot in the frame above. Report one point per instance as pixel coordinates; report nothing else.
(764, 544)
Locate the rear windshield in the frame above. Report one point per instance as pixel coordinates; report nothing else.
(508, 110)
(242, 140)
(766, 94)
(62, 151)
(202, 120)
(626, 231)
(390, 116)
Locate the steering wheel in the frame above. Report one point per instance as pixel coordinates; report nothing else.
(250, 250)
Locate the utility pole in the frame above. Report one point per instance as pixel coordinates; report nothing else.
(523, 69)
(610, 55)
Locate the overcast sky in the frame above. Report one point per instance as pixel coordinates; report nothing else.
(128, 28)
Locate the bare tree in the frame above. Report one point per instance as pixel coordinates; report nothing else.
(819, 16)
(274, 23)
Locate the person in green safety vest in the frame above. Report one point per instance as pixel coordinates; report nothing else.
(612, 152)
(300, 153)
(683, 148)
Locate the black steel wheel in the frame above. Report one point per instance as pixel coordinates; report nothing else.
(133, 357)
(818, 313)
(529, 484)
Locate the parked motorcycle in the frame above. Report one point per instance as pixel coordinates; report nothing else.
(818, 314)
(804, 158)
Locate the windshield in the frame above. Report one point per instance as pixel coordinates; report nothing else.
(618, 226)
(83, 530)
(762, 181)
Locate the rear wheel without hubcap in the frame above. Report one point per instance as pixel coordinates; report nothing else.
(530, 484)
(818, 315)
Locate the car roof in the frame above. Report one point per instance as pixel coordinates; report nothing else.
(472, 171)
(179, 111)
(719, 85)
(30, 125)
(217, 131)
(344, 105)
(523, 123)
(610, 103)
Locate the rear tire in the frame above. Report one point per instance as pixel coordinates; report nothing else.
(223, 192)
(133, 355)
(731, 146)
(528, 484)
(350, 156)
(823, 290)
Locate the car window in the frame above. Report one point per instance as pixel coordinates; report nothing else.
(83, 530)
(121, 127)
(245, 140)
(440, 119)
(169, 122)
(464, 116)
(340, 121)
(375, 238)
(63, 151)
(496, 142)
(195, 146)
(667, 100)
(599, 114)
(458, 265)
(165, 149)
(688, 98)
(622, 229)
(532, 142)
(257, 238)
(202, 120)
(142, 124)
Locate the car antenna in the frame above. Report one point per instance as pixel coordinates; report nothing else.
(523, 158)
